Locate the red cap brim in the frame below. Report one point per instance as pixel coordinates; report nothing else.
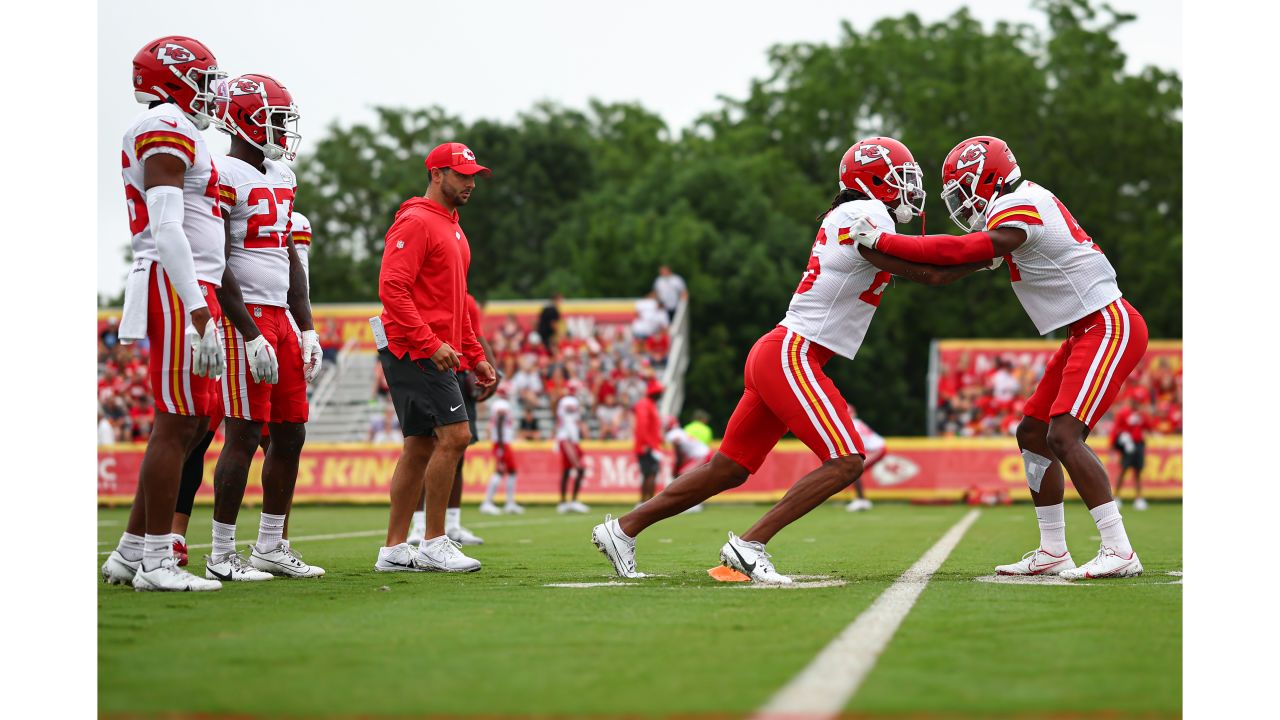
(472, 169)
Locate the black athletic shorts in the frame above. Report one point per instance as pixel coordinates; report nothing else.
(648, 464)
(1136, 459)
(425, 397)
(467, 386)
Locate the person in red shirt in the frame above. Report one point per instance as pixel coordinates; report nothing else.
(423, 288)
(648, 437)
(1129, 439)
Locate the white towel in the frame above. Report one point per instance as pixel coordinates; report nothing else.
(133, 319)
(379, 334)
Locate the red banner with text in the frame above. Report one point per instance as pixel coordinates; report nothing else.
(915, 468)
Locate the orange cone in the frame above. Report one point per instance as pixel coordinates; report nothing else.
(727, 574)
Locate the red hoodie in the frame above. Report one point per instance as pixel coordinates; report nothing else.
(423, 284)
(648, 427)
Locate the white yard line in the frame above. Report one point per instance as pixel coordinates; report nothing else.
(823, 688)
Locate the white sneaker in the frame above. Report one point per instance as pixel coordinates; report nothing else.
(443, 555)
(858, 505)
(578, 507)
(397, 559)
(512, 508)
(617, 547)
(563, 507)
(417, 535)
(282, 561)
(463, 536)
(488, 508)
(118, 571)
(750, 559)
(695, 509)
(1038, 562)
(316, 570)
(1140, 504)
(1107, 564)
(169, 577)
(231, 567)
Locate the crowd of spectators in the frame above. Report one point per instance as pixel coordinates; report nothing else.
(981, 394)
(126, 410)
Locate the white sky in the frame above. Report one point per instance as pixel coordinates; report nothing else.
(495, 59)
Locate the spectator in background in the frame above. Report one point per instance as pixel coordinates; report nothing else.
(1129, 439)
(526, 384)
(670, 289)
(699, 429)
(528, 425)
(650, 318)
(106, 431)
(549, 323)
(610, 416)
(110, 334)
(648, 438)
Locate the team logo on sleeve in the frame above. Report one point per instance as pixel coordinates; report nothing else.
(174, 54)
(972, 155)
(868, 154)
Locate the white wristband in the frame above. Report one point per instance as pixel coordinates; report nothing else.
(165, 210)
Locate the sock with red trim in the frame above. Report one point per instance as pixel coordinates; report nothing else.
(1111, 528)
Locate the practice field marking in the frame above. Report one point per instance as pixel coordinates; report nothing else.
(1041, 580)
(611, 583)
(825, 686)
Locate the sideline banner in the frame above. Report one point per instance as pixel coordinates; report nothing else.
(915, 468)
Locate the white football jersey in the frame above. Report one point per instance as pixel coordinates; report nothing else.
(165, 129)
(871, 440)
(568, 413)
(690, 448)
(840, 290)
(260, 206)
(300, 228)
(1059, 274)
(502, 421)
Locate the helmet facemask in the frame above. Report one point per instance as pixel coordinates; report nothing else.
(280, 124)
(909, 182)
(963, 204)
(203, 83)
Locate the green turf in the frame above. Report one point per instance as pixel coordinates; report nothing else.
(499, 642)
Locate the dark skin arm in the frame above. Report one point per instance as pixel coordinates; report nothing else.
(488, 390)
(299, 302)
(1007, 239)
(919, 272)
(163, 169)
(230, 297)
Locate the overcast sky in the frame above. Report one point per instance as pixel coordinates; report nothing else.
(495, 59)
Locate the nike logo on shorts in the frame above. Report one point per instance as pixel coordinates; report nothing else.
(454, 409)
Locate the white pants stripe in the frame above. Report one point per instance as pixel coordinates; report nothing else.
(826, 401)
(1115, 361)
(800, 397)
(1097, 360)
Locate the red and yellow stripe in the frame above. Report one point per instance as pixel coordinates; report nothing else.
(845, 236)
(227, 195)
(233, 368)
(797, 369)
(301, 238)
(1108, 359)
(177, 335)
(161, 139)
(1021, 213)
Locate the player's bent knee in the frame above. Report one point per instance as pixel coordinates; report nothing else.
(848, 467)
(1063, 437)
(731, 473)
(1032, 433)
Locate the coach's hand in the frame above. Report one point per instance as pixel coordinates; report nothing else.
(207, 356)
(486, 376)
(262, 360)
(866, 233)
(312, 355)
(445, 358)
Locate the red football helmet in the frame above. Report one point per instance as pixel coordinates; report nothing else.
(180, 69)
(884, 169)
(975, 173)
(260, 110)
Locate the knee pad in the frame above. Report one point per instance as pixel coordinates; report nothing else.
(1035, 465)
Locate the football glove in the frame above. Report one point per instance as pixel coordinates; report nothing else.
(312, 355)
(866, 233)
(207, 356)
(262, 360)
(996, 262)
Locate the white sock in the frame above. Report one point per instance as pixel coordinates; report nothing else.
(494, 482)
(420, 519)
(452, 519)
(270, 531)
(131, 547)
(156, 548)
(1111, 528)
(1053, 528)
(224, 538)
(511, 489)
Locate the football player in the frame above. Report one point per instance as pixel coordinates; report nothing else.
(171, 188)
(268, 366)
(568, 437)
(690, 452)
(502, 430)
(1063, 280)
(785, 386)
(874, 444)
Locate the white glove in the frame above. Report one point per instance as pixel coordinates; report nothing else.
(207, 356)
(312, 355)
(996, 262)
(866, 233)
(262, 361)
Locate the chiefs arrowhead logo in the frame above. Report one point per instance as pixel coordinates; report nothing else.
(174, 54)
(467, 154)
(973, 154)
(244, 86)
(869, 153)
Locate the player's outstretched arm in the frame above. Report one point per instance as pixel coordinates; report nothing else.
(941, 249)
(922, 273)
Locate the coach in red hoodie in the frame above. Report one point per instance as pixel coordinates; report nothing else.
(429, 338)
(648, 435)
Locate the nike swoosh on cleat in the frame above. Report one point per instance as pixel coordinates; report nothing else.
(219, 575)
(1036, 570)
(750, 567)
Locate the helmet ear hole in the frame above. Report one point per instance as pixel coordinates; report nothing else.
(990, 176)
(876, 180)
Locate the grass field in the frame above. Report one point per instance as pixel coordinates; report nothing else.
(501, 642)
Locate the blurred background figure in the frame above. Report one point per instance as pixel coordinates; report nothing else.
(876, 450)
(1128, 437)
(670, 290)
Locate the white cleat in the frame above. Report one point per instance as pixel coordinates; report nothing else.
(858, 505)
(750, 559)
(578, 507)
(1140, 504)
(1038, 562)
(283, 561)
(231, 567)
(417, 535)
(1107, 564)
(695, 509)
(617, 547)
(400, 558)
(563, 508)
(488, 508)
(168, 577)
(462, 536)
(316, 570)
(444, 555)
(512, 508)
(118, 571)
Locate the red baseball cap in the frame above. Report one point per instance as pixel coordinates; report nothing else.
(456, 157)
(654, 387)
